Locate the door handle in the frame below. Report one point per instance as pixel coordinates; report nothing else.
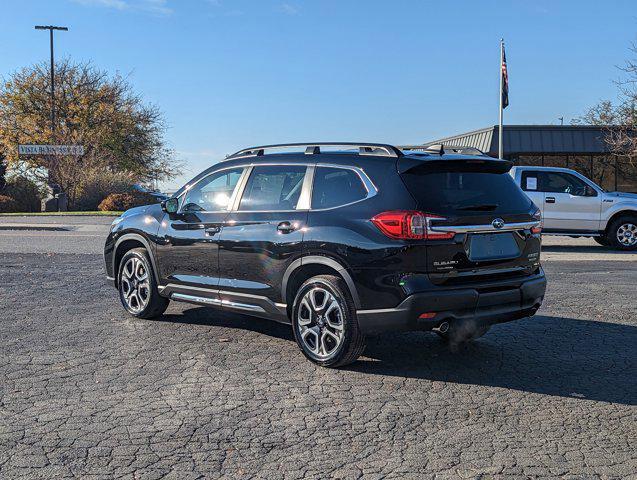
(550, 199)
(210, 231)
(286, 227)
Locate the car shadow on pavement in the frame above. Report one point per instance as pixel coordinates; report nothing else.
(212, 317)
(566, 357)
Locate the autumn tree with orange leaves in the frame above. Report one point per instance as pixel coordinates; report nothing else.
(123, 137)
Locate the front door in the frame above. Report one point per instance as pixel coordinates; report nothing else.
(263, 235)
(570, 204)
(188, 247)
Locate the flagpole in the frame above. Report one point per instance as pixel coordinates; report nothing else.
(500, 149)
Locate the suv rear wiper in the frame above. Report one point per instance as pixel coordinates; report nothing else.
(483, 207)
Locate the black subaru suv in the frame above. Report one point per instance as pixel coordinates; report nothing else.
(340, 241)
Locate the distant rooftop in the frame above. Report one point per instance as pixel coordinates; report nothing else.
(533, 139)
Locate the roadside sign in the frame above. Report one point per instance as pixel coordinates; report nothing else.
(76, 150)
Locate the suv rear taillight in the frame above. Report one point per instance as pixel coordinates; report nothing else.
(537, 216)
(409, 225)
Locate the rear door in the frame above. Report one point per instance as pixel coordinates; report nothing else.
(490, 216)
(263, 234)
(530, 182)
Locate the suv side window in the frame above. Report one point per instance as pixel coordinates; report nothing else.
(212, 193)
(336, 186)
(273, 188)
(560, 182)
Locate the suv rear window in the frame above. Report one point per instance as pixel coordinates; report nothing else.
(458, 192)
(336, 186)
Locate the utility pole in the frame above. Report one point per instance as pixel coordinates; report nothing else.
(561, 119)
(50, 28)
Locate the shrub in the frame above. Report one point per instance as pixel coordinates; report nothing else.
(97, 187)
(25, 193)
(8, 205)
(124, 201)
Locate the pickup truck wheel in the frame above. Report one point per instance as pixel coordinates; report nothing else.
(137, 287)
(603, 241)
(324, 322)
(622, 233)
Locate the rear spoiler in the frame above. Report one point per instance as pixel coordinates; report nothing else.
(453, 164)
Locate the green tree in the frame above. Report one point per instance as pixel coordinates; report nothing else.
(121, 134)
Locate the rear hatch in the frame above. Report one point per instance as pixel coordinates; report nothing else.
(488, 218)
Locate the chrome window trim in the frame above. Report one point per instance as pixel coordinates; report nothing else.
(305, 198)
(372, 191)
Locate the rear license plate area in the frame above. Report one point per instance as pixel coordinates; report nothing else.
(492, 246)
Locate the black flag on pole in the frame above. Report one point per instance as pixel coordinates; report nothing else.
(505, 81)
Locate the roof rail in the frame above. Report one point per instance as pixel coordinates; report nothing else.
(440, 149)
(373, 149)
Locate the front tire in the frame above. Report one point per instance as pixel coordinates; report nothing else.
(137, 286)
(325, 324)
(622, 233)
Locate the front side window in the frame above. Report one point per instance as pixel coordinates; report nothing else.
(559, 182)
(336, 186)
(273, 188)
(212, 193)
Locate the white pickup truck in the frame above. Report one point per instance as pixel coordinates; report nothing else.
(573, 205)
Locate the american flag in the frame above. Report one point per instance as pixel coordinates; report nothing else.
(505, 81)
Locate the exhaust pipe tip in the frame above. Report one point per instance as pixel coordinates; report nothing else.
(442, 328)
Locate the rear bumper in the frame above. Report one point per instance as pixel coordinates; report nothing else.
(484, 306)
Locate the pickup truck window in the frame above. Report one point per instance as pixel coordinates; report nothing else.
(560, 182)
(530, 182)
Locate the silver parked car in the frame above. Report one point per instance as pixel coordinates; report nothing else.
(573, 205)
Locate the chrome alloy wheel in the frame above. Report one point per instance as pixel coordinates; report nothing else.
(627, 234)
(134, 285)
(320, 322)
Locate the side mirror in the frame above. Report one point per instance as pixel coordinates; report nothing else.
(170, 206)
(590, 191)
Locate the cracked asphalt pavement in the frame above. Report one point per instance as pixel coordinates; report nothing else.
(88, 392)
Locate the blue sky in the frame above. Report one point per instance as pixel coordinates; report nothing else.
(234, 73)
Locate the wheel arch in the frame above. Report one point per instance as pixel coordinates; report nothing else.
(309, 266)
(620, 213)
(126, 243)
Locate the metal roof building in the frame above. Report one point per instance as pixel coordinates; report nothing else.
(580, 147)
(533, 139)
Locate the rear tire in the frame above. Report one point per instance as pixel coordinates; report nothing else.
(137, 286)
(622, 233)
(325, 324)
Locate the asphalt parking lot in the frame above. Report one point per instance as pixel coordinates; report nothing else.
(87, 392)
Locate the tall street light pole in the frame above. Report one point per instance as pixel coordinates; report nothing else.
(50, 28)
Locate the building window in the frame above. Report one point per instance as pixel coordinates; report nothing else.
(626, 176)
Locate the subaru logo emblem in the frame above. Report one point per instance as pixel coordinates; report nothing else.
(498, 223)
